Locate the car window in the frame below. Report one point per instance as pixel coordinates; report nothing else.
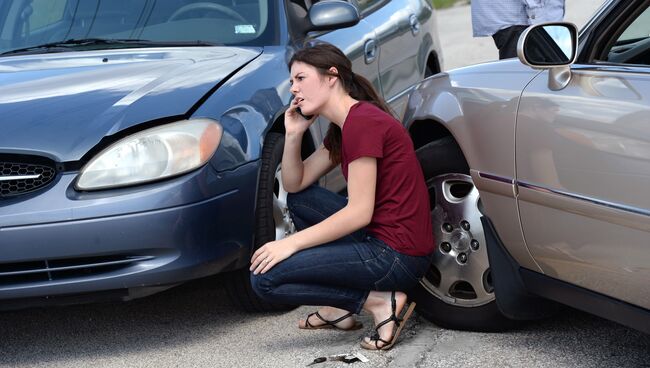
(53, 14)
(640, 28)
(26, 24)
(368, 6)
(632, 43)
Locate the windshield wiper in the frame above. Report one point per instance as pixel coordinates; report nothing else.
(74, 43)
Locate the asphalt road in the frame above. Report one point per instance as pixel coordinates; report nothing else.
(195, 325)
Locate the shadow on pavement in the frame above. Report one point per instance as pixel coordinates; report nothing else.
(162, 321)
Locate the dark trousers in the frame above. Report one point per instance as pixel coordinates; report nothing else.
(506, 41)
(337, 274)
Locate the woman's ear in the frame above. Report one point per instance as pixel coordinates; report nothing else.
(333, 75)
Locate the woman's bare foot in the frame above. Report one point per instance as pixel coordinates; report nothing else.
(379, 305)
(329, 314)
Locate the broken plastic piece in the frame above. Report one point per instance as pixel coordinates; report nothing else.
(317, 360)
(347, 358)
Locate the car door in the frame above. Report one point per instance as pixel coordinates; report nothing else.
(359, 43)
(583, 163)
(403, 51)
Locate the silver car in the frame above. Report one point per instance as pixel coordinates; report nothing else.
(539, 176)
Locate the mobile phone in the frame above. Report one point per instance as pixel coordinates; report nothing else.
(306, 117)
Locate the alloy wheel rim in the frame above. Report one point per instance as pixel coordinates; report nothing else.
(460, 271)
(283, 223)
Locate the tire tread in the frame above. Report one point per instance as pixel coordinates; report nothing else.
(237, 282)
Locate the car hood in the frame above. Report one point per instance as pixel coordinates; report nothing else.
(61, 105)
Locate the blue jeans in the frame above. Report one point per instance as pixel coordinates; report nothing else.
(340, 273)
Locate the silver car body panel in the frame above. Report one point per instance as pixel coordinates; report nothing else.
(498, 195)
(562, 174)
(480, 113)
(583, 158)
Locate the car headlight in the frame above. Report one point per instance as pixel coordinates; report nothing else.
(152, 154)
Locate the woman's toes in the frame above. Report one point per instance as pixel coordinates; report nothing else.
(302, 323)
(311, 321)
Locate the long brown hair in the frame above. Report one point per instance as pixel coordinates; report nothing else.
(324, 56)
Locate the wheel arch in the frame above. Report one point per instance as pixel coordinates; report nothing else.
(432, 109)
(308, 145)
(433, 64)
(426, 131)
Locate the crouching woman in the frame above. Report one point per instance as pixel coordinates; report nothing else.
(359, 253)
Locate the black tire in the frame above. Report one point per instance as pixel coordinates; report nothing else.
(238, 282)
(437, 159)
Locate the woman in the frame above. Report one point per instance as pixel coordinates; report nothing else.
(359, 253)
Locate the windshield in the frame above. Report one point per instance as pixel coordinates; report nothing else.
(31, 23)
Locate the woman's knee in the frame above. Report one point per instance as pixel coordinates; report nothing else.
(262, 285)
(306, 196)
(314, 199)
(292, 199)
(303, 207)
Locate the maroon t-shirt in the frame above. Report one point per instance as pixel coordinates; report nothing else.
(402, 216)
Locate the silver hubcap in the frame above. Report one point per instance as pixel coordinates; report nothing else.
(283, 223)
(460, 271)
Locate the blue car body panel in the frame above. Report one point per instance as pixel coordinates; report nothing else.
(59, 241)
(62, 105)
(159, 241)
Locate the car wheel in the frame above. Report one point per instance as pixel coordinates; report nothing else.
(272, 222)
(457, 291)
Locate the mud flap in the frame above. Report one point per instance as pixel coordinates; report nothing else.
(513, 300)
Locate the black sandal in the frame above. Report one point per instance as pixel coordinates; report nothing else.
(330, 324)
(399, 324)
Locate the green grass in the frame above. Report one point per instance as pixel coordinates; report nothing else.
(439, 4)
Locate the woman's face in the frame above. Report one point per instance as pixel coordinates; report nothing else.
(309, 88)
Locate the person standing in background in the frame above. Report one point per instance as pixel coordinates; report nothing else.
(505, 20)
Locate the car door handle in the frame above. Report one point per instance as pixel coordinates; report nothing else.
(415, 24)
(370, 51)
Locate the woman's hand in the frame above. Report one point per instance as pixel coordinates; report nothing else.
(294, 123)
(271, 254)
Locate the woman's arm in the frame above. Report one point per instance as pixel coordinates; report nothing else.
(362, 182)
(296, 174)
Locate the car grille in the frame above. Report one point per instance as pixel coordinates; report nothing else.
(24, 176)
(14, 274)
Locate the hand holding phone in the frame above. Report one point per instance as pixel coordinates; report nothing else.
(306, 117)
(295, 122)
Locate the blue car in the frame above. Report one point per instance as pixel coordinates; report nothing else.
(140, 140)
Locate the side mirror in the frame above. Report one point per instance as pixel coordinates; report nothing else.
(548, 45)
(332, 14)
